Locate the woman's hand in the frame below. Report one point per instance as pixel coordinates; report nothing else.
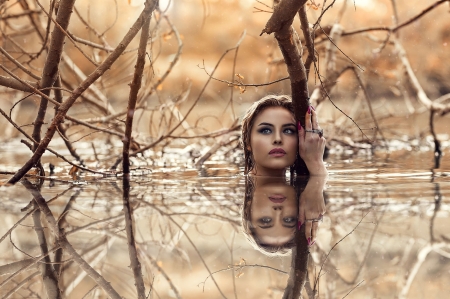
(312, 207)
(311, 145)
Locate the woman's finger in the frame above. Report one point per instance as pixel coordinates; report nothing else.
(314, 119)
(308, 125)
(301, 215)
(308, 226)
(315, 226)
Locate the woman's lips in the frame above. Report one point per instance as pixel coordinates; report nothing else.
(277, 198)
(277, 152)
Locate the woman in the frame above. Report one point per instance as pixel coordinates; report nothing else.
(272, 143)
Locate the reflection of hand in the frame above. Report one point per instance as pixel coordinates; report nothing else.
(312, 145)
(312, 206)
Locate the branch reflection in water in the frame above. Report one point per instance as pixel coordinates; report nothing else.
(185, 230)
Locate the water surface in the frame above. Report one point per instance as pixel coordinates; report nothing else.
(385, 233)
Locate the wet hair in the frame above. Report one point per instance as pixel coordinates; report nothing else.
(249, 230)
(249, 119)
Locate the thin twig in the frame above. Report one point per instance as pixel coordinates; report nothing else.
(353, 288)
(336, 244)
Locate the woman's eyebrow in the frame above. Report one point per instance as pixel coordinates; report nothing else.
(289, 125)
(265, 124)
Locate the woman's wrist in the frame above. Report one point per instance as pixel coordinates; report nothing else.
(316, 168)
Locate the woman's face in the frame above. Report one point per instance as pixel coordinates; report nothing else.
(274, 212)
(273, 141)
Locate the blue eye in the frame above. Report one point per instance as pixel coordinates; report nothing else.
(289, 131)
(290, 220)
(265, 131)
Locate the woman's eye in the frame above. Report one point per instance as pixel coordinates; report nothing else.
(266, 220)
(265, 131)
(289, 131)
(290, 220)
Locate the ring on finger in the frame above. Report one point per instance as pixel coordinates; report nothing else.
(318, 219)
(317, 131)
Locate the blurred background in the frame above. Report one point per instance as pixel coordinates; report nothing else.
(184, 51)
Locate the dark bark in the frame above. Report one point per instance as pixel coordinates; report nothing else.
(61, 127)
(299, 264)
(135, 85)
(309, 40)
(62, 240)
(17, 85)
(296, 69)
(283, 15)
(132, 252)
(61, 223)
(49, 278)
(51, 66)
(65, 106)
(281, 23)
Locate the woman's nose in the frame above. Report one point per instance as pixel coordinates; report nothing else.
(277, 139)
(279, 208)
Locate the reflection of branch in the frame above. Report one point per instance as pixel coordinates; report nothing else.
(13, 267)
(15, 225)
(240, 267)
(369, 246)
(35, 261)
(132, 252)
(299, 265)
(49, 278)
(328, 254)
(437, 206)
(191, 242)
(163, 273)
(353, 288)
(20, 284)
(411, 274)
(62, 240)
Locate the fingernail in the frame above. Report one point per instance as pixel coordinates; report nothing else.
(309, 109)
(313, 108)
(299, 126)
(313, 242)
(299, 224)
(309, 241)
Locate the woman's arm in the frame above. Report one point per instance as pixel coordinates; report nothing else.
(312, 206)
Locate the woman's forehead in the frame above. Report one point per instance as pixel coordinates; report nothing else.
(275, 113)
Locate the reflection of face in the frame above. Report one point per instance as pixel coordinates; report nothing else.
(274, 212)
(273, 141)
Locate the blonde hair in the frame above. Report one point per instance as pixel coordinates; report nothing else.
(249, 119)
